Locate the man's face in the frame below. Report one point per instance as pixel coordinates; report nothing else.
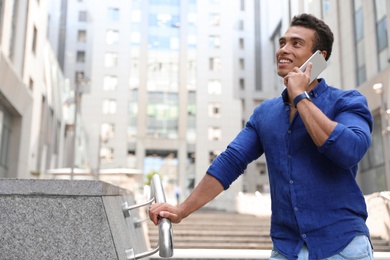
(295, 47)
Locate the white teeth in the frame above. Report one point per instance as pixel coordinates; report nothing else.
(284, 61)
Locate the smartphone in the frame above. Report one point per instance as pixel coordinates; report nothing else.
(319, 64)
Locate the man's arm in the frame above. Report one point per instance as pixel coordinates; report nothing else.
(208, 188)
(317, 124)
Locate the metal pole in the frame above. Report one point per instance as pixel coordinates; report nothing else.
(98, 157)
(76, 108)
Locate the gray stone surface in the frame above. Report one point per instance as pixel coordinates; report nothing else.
(65, 220)
(59, 187)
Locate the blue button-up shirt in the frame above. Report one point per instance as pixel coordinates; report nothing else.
(315, 197)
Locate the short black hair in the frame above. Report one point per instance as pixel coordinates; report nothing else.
(323, 37)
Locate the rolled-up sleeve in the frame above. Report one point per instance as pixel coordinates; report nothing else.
(231, 163)
(351, 138)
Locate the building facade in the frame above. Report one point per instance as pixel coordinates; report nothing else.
(163, 86)
(31, 91)
(172, 82)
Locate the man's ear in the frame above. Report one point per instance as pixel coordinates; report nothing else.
(324, 53)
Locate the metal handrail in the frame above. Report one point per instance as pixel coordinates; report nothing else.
(165, 233)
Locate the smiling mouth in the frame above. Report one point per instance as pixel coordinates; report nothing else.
(284, 61)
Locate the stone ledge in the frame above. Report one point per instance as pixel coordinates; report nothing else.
(59, 188)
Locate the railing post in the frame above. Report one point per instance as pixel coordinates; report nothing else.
(165, 234)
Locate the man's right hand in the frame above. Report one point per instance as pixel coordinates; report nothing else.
(164, 210)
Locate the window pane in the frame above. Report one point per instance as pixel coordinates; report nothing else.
(82, 16)
(214, 41)
(380, 9)
(112, 36)
(109, 106)
(110, 83)
(214, 19)
(80, 56)
(107, 131)
(215, 87)
(360, 57)
(215, 64)
(82, 36)
(381, 34)
(111, 59)
(383, 59)
(359, 26)
(215, 134)
(113, 14)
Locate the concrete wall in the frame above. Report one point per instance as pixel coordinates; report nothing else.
(61, 219)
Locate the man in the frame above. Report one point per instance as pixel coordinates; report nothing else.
(313, 144)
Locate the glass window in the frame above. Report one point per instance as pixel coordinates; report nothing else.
(82, 16)
(5, 133)
(214, 41)
(107, 131)
(82, 36)
(380, 9)
(325, 7)
(215, 110)
(214, 19)
(106, 154)
(242, 83)
(213, 155)
(241, 25)
(34, 41)
(359, 26)
(381, 32)
(215, 134)
(360, 67)
(111, 59)
(109, 106)
(132, 115)
(80, 56)
(113, 14)
(383, 58)
(192, 19)
(192, 41)
(136, 16)
(135, 38)
(241, 63)
(112, 36)
(242, 5)
(215, 64)
(162, 115)
(110, 83)
(214, 87)
(241, 43)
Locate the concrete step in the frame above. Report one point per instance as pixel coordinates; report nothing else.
(234, 254)
(225, 230)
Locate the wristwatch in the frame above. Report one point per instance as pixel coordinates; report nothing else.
(300, 97)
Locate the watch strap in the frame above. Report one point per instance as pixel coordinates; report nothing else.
(298, 98)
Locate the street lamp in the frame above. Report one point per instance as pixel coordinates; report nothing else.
(378, 88)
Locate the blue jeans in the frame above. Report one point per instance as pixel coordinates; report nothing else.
(358, 249)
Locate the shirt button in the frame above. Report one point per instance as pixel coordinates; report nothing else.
(289, 156)
(303, 235)
(289, 131)
(296, 208)
(291, 181)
